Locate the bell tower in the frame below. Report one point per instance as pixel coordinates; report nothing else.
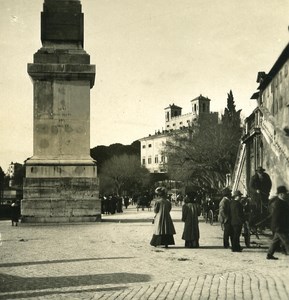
(201, 105)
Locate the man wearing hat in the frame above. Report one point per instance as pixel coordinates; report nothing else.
(224, 216)
(260, 187)
(279, 222)
(237, 220)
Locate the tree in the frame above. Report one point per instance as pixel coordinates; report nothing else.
(203, 154)
(19, 174)
(231, 123)
(231, 117)
(123, 173)
(104, 153)
(198, 157)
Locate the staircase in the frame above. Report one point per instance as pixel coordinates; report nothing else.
(275, 153)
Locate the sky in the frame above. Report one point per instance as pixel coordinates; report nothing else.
(148, 54)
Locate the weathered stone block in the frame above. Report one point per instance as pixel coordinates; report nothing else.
(61, 178)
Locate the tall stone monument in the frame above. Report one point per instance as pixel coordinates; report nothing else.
(61, 182)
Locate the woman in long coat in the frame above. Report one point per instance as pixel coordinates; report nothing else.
(164, 228)
(190, 212)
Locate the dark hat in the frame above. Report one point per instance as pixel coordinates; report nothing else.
(226, 191)
(191, 194)
(260, 169)
(281, 189)
(237, 193)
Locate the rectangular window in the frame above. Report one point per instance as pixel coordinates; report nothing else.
(143, 161)
(167, 116)
(149, 160)
(156, 159)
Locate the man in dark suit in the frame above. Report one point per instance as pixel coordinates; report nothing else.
(279, 222)
(237, 220)
(260, 187)
(224, 216)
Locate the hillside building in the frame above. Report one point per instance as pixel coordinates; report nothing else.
(152, 147)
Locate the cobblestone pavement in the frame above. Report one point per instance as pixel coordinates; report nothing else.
(113, 260)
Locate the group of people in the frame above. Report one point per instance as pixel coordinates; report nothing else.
(111, 204)
(232, 215)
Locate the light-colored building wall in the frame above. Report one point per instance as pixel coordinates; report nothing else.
(152, 147)
(275, 96)
(181, 121)
(151, 153)
(11, 170)
(266, 141)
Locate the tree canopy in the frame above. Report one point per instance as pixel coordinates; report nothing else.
(206, 152)
(104, 153)
(123, 173)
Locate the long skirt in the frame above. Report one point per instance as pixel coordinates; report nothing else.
(162, 239)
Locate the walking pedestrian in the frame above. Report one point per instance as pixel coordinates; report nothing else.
(225, 218)
(190, 213)
(237, 220)
(164, 228)
(126, 201)
(119, 204)
(279, 222)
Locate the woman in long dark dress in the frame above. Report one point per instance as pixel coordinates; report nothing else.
(190, 212)
(164, 228)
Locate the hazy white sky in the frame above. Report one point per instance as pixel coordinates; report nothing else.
(148, 54)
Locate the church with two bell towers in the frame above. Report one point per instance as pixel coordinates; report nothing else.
(152, 146)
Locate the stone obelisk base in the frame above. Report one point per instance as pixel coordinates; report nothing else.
(60, 193)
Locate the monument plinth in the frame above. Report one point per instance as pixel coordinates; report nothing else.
(61, 182)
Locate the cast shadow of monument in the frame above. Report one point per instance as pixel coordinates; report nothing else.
(30, 286)
(45, 262)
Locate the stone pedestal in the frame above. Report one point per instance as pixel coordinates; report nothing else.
(61, 182)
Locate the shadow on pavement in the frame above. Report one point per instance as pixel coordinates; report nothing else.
(11, 283)
(211, 247)
(45, 262)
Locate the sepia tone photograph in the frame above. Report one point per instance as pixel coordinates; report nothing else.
(145, 149)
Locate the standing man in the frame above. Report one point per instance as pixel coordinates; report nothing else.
(260, 187)
(279, 222)
(237, 220)
(224, 216)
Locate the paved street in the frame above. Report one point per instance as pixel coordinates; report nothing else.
(113, 260)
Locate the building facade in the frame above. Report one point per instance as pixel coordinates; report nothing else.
(11, 170)
(265, 141)
(152, 147)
